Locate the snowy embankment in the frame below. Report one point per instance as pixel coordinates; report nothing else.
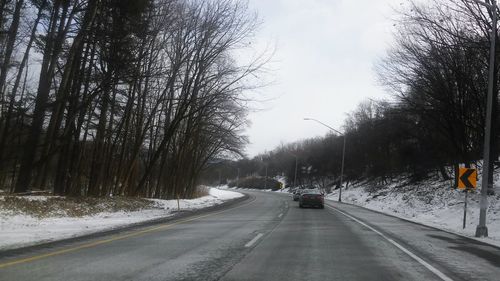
(19, 230)
(432, 203)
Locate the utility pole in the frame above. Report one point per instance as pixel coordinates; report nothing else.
(482, 229)
(265, 179)
(238, 178)
(220, 178)
(296, 167)
(342, 171)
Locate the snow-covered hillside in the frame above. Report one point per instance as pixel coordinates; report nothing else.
(432, 202)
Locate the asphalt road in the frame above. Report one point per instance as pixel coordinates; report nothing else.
(264, 238)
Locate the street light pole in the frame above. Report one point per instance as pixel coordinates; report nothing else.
(295, 177)
(296, 167)
(265, 179)
(482, 230)
(343, 152)
(342, 170)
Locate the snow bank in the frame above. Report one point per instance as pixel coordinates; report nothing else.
(433, 203)
(224, 194)
(22, 230)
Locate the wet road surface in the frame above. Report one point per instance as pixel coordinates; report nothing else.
(267, 237)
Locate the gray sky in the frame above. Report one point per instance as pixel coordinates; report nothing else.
(323, 64)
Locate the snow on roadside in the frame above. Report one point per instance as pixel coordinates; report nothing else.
(224, 194)
(23, 230)
(431, 203)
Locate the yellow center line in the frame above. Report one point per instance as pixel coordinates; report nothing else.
(120, 237)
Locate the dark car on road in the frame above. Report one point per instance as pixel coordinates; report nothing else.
(312, 198)
(296, 195)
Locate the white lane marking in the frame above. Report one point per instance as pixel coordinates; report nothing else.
(251, 242)
(280, 215)
(406, 251)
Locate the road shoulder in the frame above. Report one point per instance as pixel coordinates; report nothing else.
(457, 256)
(170, 218)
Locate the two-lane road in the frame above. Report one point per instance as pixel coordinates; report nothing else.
(265, 238)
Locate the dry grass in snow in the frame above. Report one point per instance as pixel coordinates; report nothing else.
(55, 206)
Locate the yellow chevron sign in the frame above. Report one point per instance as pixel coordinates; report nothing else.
(467, 178)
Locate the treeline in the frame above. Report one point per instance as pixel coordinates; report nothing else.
(120, 97)
(437, 71)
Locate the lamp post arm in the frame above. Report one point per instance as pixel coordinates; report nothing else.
(316, 120)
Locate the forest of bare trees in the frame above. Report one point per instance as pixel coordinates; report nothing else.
(436, 71)
(120, 97)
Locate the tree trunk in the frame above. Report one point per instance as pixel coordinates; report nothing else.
(51, 52)
(8, 117)
(9, 48)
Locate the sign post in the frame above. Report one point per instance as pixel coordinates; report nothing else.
(178, 203)
(467, 181)
(465, 208)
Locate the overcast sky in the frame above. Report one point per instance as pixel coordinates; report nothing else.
(322, 66)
